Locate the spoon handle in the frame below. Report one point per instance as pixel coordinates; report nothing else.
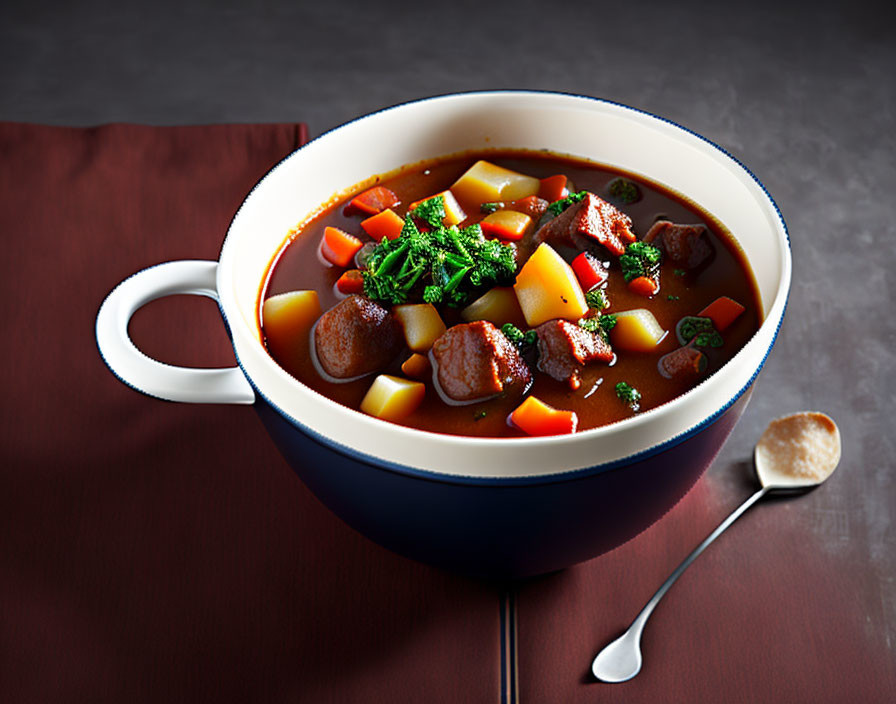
(641, 618)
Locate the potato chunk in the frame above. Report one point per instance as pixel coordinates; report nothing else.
(421, 323)
(547, 288)
(485, 182)
(506, 224)
(636, 331)
(498, 306)
(287, 319)
(392, 398)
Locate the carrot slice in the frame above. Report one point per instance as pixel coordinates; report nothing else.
(338, 247)
(535, 417)
(374, 200)
(416, 366)
(553, 188)
(643, 286)
(723, 311)
(589, 271)
(351, 281)
(386, 224)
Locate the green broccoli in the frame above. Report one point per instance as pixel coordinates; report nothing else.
(624, 190)
(431, 211)
(640, 259)
(444, 265)
(597, 299)
(629, 395)
(517, 336)
(700, 330)
(558, 206)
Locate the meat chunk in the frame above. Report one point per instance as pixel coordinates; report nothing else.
(684, 364)
(564, 349)
(686, 246)
(356, 337)
(475, 361)
(590, 220)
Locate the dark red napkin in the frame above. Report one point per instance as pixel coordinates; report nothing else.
(163, 552)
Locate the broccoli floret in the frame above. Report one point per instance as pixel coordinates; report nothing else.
(700, 330)
(597, 299)
(431, 211)
(591, 325)
(558, 206)
(607, 322)
(624, 190)
(629, 395)
(488, 208)
(640, 259)
(517, 336)
(444, 265)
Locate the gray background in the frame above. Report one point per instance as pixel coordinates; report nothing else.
(804, 97)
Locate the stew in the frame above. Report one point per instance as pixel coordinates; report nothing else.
(507, 293)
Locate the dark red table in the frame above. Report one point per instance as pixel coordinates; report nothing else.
(158, 552)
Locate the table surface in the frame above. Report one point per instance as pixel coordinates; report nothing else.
(804, 99)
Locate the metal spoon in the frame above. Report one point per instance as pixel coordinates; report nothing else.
(795, 453)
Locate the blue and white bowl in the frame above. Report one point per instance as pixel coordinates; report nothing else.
(487, 506)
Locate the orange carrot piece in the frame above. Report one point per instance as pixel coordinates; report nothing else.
(553, 188)
(351, 281)
(416, 366)
(535, 417)
(374, 200)
(338, 247)
(723, 311)
(643, 286)
(386, 224)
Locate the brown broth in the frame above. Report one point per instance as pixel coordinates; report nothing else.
(299, 266)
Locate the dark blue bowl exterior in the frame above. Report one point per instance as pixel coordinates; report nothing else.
(499, 528)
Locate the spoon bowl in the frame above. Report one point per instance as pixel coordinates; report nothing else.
(794, 454)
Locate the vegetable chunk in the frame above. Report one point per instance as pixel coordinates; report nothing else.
(636, 331)
(547, 288)
(498, 305)
(506, 224)
(386, 224)
(392, 398)
(535, 417)
(374, 200)
(287, 319)
(421, 323)
(338, 247)
(485, 182)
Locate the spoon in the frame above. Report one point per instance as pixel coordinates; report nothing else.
(795, 453)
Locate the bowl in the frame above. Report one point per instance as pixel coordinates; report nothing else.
(494, 507)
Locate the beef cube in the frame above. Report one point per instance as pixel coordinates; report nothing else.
(356, 337)
(591, 220)
(684, 364)
(565, 348)
(475, 361)
(686, 246)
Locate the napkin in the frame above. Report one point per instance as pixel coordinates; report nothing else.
(154, 551)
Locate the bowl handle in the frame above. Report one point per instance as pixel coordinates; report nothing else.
(152, 377)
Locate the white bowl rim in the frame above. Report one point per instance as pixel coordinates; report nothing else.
(774, 317)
